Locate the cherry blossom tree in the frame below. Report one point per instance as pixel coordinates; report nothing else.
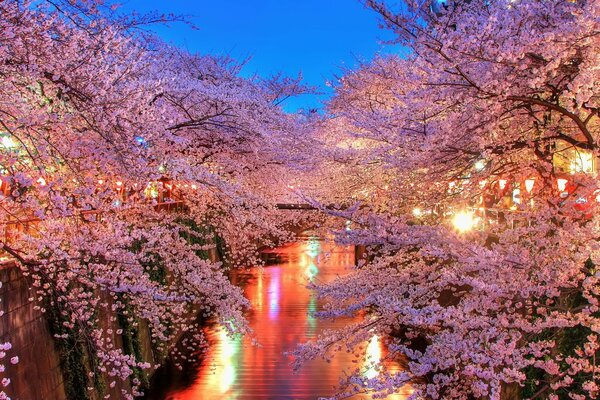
(471, 127)
(122, 158)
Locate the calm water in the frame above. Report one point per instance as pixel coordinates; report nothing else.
(281, 318)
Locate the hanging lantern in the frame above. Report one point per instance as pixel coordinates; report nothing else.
(529, 184)
(502, 184)
(562, 184)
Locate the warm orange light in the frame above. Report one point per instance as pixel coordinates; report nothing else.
(502, 184)
(100, 181)
(194, 187)
(562, 184)
(119, 183)
(464, 221)
(41, 181)
(529, 184)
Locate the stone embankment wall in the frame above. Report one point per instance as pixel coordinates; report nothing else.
(38, 375)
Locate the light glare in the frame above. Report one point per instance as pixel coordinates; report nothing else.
(464, 221)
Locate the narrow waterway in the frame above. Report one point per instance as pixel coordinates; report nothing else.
(281, 318)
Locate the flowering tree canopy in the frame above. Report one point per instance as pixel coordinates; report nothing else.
(467, 166)
(121, 159)
(492, 119)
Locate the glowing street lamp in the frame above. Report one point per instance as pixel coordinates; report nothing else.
(464, 221)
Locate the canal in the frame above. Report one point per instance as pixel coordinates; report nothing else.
(281, 317)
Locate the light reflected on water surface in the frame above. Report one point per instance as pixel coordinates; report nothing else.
(281, 318)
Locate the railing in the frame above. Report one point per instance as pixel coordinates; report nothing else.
(299, 206)
(11, 230)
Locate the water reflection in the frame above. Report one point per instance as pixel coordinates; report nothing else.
(372, 358)
(282, 316)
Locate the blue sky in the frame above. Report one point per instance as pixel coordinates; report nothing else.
(317, 37)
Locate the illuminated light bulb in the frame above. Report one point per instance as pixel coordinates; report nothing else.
(562, 184)
(529, 184)
(194, 187)
(502, 184)
(417, 212)
(119, 183)
(464, 221)
(100, 181)
(41, 181)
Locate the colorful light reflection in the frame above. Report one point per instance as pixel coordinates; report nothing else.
(274, 293)
(372, 358)
(224, 367)
(282, 316)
